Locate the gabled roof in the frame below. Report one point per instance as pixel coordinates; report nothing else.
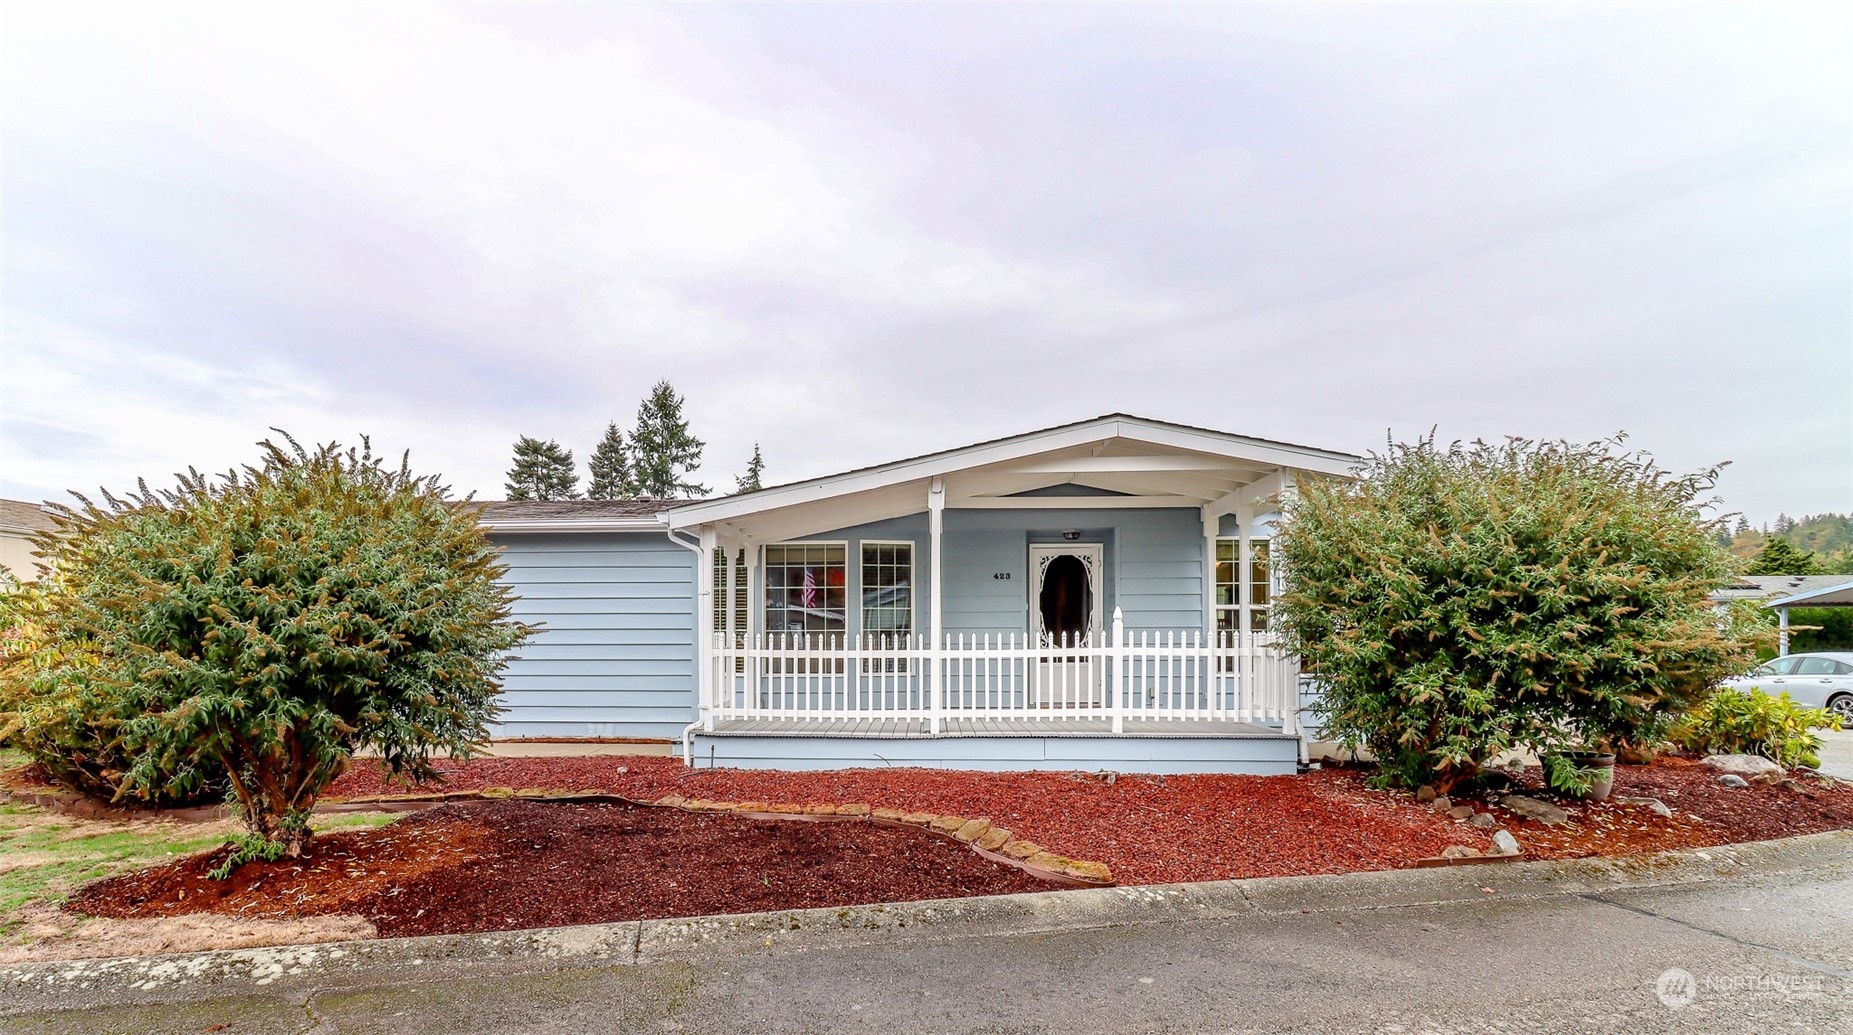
(1156, 463)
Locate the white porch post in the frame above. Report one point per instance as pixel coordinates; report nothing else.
(704, 628)
(724, 687)
(1782, 632)
(936, 526)
(1245, 568)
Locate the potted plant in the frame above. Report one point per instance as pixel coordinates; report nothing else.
(1580, 773)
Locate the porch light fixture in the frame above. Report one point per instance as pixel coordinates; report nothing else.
(1071, 535)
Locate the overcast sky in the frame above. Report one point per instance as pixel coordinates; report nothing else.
(858, 233)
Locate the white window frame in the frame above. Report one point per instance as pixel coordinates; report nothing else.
(913, 585)
(1245, 581)
(765, 569)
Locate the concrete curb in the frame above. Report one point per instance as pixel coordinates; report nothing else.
(38, 987)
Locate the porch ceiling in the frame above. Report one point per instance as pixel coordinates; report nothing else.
(1132, 469)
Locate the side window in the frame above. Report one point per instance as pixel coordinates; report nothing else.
(1781, 666)
(1841, 668)
(1815, 667)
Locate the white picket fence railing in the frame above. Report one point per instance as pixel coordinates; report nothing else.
(1242, 677)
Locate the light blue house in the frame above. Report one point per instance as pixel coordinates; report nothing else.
(1088, 596)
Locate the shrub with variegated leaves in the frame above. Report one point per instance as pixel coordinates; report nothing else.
(260, 627)
(1458, 601)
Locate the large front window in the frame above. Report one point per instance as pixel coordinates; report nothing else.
(1228, 585)
(805, 591)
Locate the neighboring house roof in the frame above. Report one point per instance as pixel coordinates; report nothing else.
(1767, 588)
(574, 515)
(1838, 594)
(19, 517)
(1158, 462)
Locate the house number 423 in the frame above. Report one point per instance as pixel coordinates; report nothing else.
(1002, 576)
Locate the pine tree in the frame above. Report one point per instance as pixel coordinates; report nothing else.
(1780, 557)
(755, 469)
(611, 468)
(1743, 525)
(542, 471)
(663, 451)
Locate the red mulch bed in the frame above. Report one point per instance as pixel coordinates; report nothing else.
(1149, 830)
(512, 864)
(1705, 813)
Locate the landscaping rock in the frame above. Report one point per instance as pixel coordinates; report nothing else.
(497, 792)
(919, 819)
(1483, 820)
(1461, 812)
(1460, 852)
(754, 806)
(947, 824)
(892, 815)
(672, 799)
(1022, 849)
(1443, 803)
(1657, 806)
(1505, 842)
(854, 809)
(1531, 808)
(972, 830)
(1079, 868)
(993, 839)
(1732, 780)
(1742, 765)
(1424, 794)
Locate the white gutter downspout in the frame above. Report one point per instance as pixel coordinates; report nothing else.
(704, 560)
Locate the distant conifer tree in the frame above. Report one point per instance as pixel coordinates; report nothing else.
(755, 470)
(611, 468)
(662, 450)
(542, 471)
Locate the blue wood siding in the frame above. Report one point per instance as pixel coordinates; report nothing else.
(1153, 562)
(616, 656)
(1270, 756)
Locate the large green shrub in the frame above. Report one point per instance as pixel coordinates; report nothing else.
(259, 628)
(1738, 722)
(1459, 601)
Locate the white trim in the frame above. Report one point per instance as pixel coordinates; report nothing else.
(1130, 465)
(1087, 433)
(1093, 557)
(913, 584)
(1072, 502)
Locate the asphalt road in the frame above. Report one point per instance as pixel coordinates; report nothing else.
(1763, 954)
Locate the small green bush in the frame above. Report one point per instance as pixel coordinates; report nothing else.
(1739, 722)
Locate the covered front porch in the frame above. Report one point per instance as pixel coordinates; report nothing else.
(1086, 597)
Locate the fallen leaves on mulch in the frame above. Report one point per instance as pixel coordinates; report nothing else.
(1147, 829)
(1705, 813)
(512, 864)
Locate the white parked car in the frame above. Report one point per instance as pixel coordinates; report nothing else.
(1823, 680)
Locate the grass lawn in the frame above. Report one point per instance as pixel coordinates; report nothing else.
(45, 855)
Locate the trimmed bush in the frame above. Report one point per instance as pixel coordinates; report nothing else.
(1456, 602)
(255, 630)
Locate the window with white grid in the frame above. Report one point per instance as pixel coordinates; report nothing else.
(806, 591)
(887, 588)
(1260, 585)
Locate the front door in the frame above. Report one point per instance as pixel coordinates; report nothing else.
(1065, 612)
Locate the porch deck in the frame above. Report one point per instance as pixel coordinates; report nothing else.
(988, 726)
(1000, 744)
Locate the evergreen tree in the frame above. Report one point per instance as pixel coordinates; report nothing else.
(663, 452)
(755, 469)
(1743, 525)
(1780, 557)
(542, 471)
(611, 468)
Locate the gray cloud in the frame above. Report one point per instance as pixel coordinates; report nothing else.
(851, 234)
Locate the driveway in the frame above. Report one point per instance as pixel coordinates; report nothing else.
(1837, 753)
(1766, 953)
